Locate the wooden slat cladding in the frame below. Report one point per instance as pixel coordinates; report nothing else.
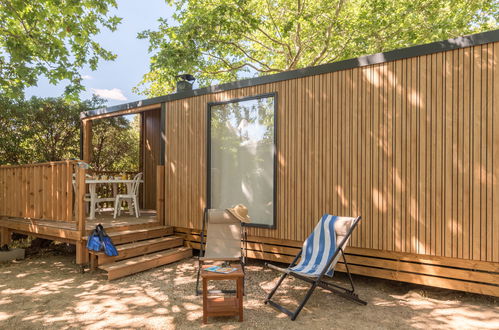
(37, 191)
(160, 194)
(410, 145)
(451, 273)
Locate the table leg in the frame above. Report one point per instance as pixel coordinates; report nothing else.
(115, 192)
(205, 301)
(115, 189)
(240, 297)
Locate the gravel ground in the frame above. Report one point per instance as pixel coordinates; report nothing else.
(47, 292)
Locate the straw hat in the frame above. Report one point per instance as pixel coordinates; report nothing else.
(240, 212)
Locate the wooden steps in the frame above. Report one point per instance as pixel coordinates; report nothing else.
(134, 249)
(127, 236)
(123, 227)
(138, 264)
(140, 250)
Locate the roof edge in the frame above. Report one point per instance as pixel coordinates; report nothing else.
(398, 54)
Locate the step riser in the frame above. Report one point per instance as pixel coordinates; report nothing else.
(127, 227)
(141, 250)
(133, 237)
(136, 268)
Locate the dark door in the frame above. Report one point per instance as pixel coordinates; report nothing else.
(151, 154)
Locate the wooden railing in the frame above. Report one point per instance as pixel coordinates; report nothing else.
(38, 191)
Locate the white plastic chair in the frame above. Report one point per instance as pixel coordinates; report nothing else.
(131, 198)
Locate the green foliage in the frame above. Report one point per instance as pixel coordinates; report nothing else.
(41, 130)
(51, 38)
(224, 40)
(116, 144)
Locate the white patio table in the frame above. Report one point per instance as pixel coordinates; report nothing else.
(92, 185)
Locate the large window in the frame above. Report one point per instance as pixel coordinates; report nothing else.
(241, 151)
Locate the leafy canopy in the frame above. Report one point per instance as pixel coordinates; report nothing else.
(48, 129)
(225, 40)
(116, 144)
(41, 129)
(51, 38)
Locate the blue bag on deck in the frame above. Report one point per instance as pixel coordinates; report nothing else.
(107, 244)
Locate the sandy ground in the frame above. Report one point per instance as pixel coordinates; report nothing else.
(47, 292)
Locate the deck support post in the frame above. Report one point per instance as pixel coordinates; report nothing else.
(160, 194)
(81, 253)
(5, 236)
(86, 141)
(81, 249)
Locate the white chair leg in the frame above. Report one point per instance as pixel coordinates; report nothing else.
(130, 206)
(119, 207)
(136, 206)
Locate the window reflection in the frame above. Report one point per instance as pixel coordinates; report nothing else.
(242, 157)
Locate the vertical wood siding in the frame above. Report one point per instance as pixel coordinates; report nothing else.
(410, 145)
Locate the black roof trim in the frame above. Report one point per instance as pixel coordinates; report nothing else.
(414, 51)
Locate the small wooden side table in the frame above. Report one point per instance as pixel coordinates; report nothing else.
(223, 305)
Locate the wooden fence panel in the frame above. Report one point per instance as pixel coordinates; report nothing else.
(37, 191)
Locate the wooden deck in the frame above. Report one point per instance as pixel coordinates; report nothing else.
(106, 219)
(47, 200)
(143, 243)
(68, 231)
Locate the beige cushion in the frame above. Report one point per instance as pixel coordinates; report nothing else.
(221, 216)
(223, 235)
(341, 227)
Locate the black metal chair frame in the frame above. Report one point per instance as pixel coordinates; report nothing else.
(202, 246)
(315, 282)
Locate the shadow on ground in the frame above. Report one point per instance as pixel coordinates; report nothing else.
(48, 292)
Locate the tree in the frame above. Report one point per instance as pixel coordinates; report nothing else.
(41, 130)
(225, 40)
(116, 144)
(11, 135)
(51, 38)
(48, 129)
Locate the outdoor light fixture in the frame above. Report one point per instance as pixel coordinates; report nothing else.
(185, 82)
(186, 77)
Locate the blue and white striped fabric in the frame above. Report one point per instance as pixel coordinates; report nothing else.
(318, 248)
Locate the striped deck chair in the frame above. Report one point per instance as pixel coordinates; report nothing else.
(317, 259)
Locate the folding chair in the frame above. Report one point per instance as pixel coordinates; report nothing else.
(319, 256)
(223, 241)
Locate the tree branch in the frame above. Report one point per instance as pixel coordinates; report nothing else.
(285, 45)
(232, 67)
(247, 55)
(322, 53)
